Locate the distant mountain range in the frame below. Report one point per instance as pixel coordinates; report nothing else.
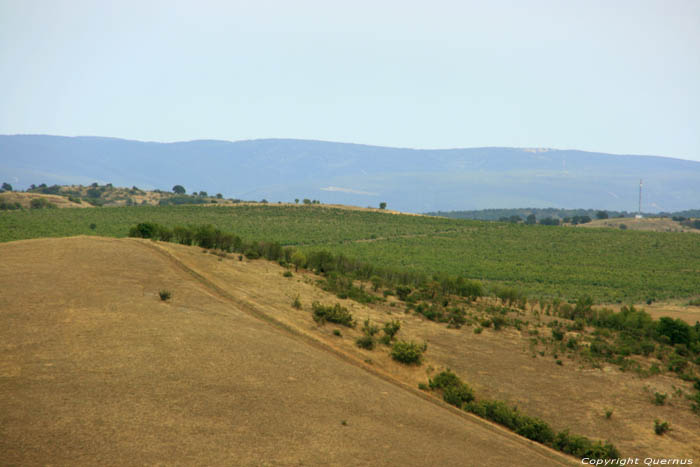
(406, 179)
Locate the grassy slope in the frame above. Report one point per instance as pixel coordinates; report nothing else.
(610, 265)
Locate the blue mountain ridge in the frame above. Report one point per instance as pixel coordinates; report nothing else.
(412, 180)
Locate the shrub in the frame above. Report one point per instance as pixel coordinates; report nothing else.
(391, 328)
(581, 447)
(41, 203)
(369, 329)
(454, 391)
(660, 427)
(402, 292)
(336, 332)
(9, 206)
(498, 322)
(659, 399)
(296, 303)
(164, 295)
(287, 273)
(143, 230)
(608, 413)
(334, 314)
(409, 353)
(365, 342)
(677, 364)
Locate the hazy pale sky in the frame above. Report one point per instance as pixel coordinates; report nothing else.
(613, 76)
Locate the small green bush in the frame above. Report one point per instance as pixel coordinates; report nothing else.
(454, 391)
(409, 353)
(659, 399)
(287, 273)
(336, 332)
(369, 329)
(296, 303)
(498, 322)
(334, 314)
(164, 295)
(365, 342)
(391, 328)
(660, 427)
(41, 203)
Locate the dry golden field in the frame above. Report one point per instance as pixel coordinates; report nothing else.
(97, 370)
(24, 199)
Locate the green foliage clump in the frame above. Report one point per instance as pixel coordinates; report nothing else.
(457, 393)
(41, 203)
(660, 427)
(365, 342)
(333, 314)
(409, 353)
(659, 399)
(580, 446)
(454, 316)
(165, 295)
(391, 328)
(296, 303)
(9, 206)
(454, 391)
(510, 296)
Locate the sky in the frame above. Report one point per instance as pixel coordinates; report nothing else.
(613, 76)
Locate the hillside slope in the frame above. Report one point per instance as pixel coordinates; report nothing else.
(407, 179)
(96, 369)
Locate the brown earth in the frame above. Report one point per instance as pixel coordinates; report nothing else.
(655, 224)
(97, 370)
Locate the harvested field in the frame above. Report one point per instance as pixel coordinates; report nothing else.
(97, 369)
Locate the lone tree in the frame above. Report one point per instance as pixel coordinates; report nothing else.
(382, 205)
(531, 220)
(6, 187)
(601, 214)
(179, 189)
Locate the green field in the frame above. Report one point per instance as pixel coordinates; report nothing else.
(609, 265)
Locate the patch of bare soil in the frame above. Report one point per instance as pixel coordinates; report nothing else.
(97, 370)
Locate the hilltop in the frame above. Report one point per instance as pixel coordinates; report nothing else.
(407, 180)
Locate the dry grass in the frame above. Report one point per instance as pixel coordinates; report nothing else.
(24, 199)
(97, 370)
(497, 364)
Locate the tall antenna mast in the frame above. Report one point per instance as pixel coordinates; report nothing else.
(640, 198)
